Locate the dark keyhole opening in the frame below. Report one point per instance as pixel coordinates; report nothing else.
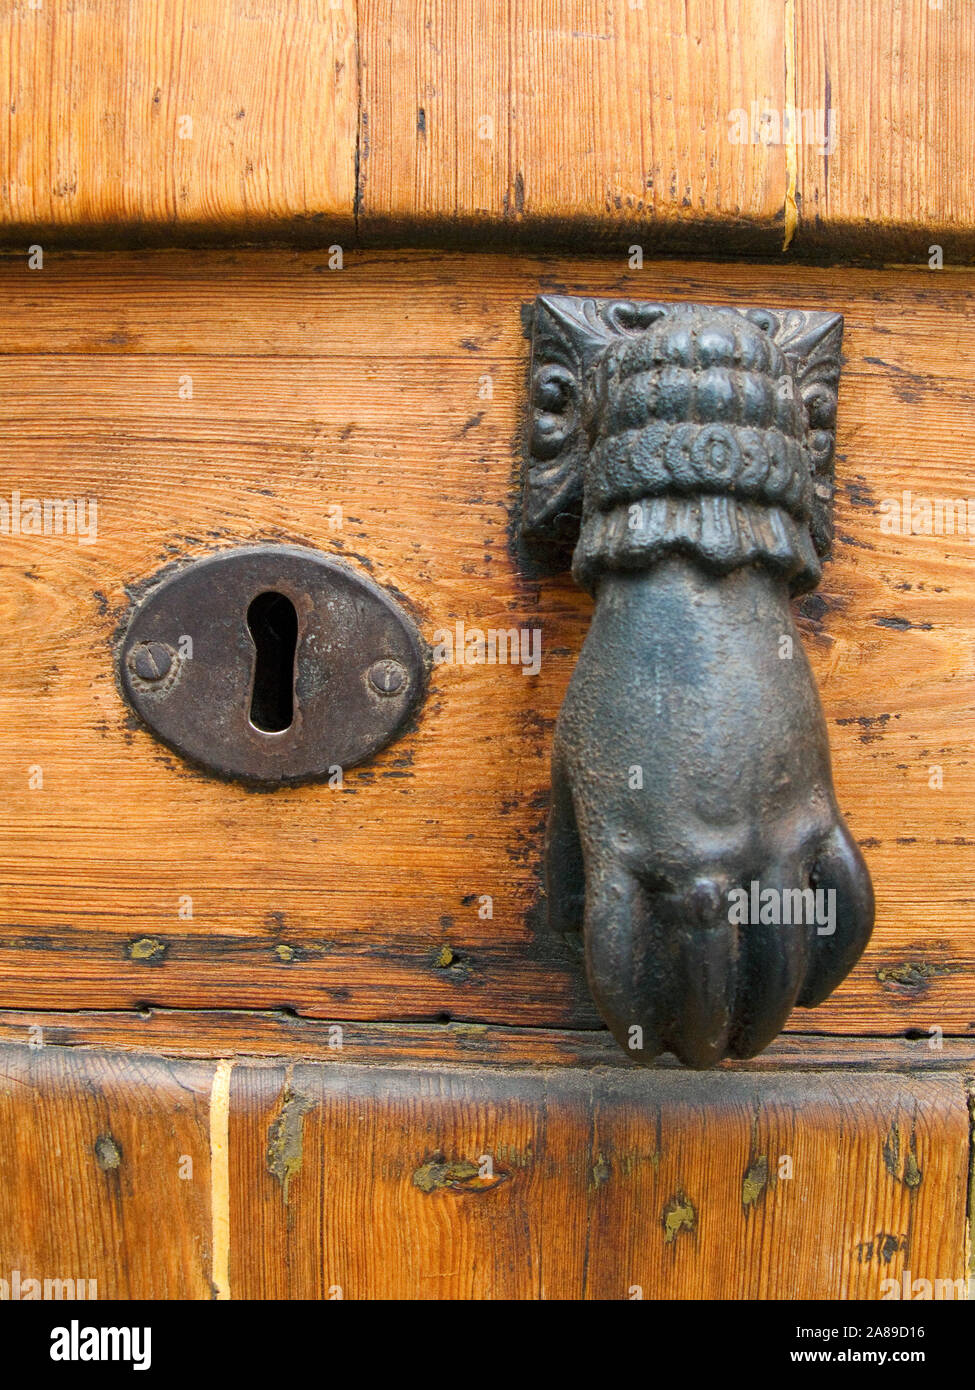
(273, 624)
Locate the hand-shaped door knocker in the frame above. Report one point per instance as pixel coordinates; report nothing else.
(694, 836)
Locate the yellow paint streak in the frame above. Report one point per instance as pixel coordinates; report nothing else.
(220, 1178)
(792, 142)
(969, 1252)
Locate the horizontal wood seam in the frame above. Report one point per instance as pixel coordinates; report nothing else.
(170, 1032)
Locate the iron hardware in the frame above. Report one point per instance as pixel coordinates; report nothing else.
(694, 840)
(272, 663)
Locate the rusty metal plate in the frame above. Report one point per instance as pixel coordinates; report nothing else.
(273, 664)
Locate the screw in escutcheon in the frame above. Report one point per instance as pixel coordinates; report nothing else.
(387, 677)
(151, 661)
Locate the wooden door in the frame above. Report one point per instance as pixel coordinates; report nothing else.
(265, 278)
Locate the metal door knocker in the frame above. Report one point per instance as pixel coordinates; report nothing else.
(694, 839)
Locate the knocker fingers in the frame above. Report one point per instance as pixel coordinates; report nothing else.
(628, 975)
(774, 948)
(662, 965)
(714, 968)
(840, 875)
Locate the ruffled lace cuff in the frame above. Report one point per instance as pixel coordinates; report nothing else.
(683, 429)
(719, 530)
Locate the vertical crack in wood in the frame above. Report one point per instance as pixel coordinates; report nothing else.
(359, 117)
(791, 127)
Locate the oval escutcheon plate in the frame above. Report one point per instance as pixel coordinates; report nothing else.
(273, 664)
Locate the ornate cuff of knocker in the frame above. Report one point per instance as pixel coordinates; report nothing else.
(682, 428)
(721, 532)
(696, 437)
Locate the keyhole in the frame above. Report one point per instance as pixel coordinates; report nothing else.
(273, 624)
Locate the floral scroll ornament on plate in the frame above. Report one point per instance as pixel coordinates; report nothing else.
(685, 452)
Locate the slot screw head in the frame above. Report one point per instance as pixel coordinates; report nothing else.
(387, 677)
(151, 661)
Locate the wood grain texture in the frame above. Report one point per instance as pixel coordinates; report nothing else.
(104, 1172)
(551, 122)
(409, 1179)
(562, 120)
(363, 389)
(897, 80)
(228, 1033)
(479, 1184)
(188, 118)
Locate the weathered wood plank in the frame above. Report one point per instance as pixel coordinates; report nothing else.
(222, 1033)
(570, 120)
(366, 1182)
(364, 389)
(183, 119)
(104, 1173)
(412, 1180)
(661, 122)
(891, 87)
